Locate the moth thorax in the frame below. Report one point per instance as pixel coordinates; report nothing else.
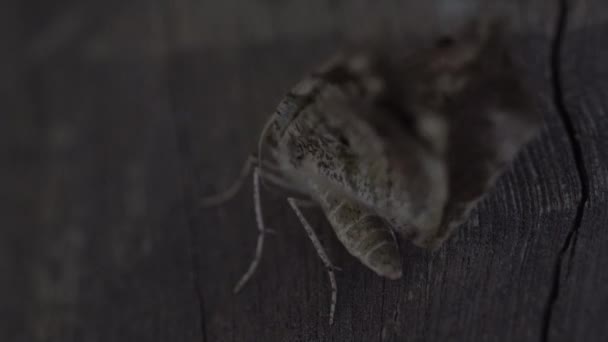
(294, 102)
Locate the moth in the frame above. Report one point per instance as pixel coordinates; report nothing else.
(394, 146)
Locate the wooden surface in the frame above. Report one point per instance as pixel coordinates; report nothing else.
(121, 114)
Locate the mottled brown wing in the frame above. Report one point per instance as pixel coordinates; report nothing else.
(419, 139)
(333, 141)
(467, 100)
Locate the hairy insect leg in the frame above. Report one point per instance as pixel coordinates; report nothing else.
(228, 194)
(259, 220)
(322, 254)
(306, 203)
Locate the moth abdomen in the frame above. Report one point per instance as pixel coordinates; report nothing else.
(364, 234)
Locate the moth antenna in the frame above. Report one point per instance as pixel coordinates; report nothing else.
(228, 194)
(263, 136)
(259, 219)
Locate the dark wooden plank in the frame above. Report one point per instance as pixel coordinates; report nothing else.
(581, 303)
(110, 245)
(97, 248)
(18, 179)
(492, 281)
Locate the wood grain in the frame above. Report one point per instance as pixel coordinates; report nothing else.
(513, 241)
(505, 252)
(581, 304)
(122, 114)
(97, 253)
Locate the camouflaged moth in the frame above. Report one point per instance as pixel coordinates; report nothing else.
(394, 146)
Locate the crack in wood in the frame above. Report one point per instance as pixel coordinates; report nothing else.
(185, 152)
(382, 322)
(189, 182)
(196, 278)
(572, 236)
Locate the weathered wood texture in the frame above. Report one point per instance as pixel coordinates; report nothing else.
(95, 250)
(581, 308)
(121, 114)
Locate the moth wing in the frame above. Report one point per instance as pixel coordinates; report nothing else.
(334, 143)
(474, 91)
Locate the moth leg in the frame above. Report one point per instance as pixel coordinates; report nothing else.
(321, 252)
(306, 203)
(228, 194)
(259, 220)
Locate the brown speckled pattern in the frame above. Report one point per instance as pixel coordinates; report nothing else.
(388, 144)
